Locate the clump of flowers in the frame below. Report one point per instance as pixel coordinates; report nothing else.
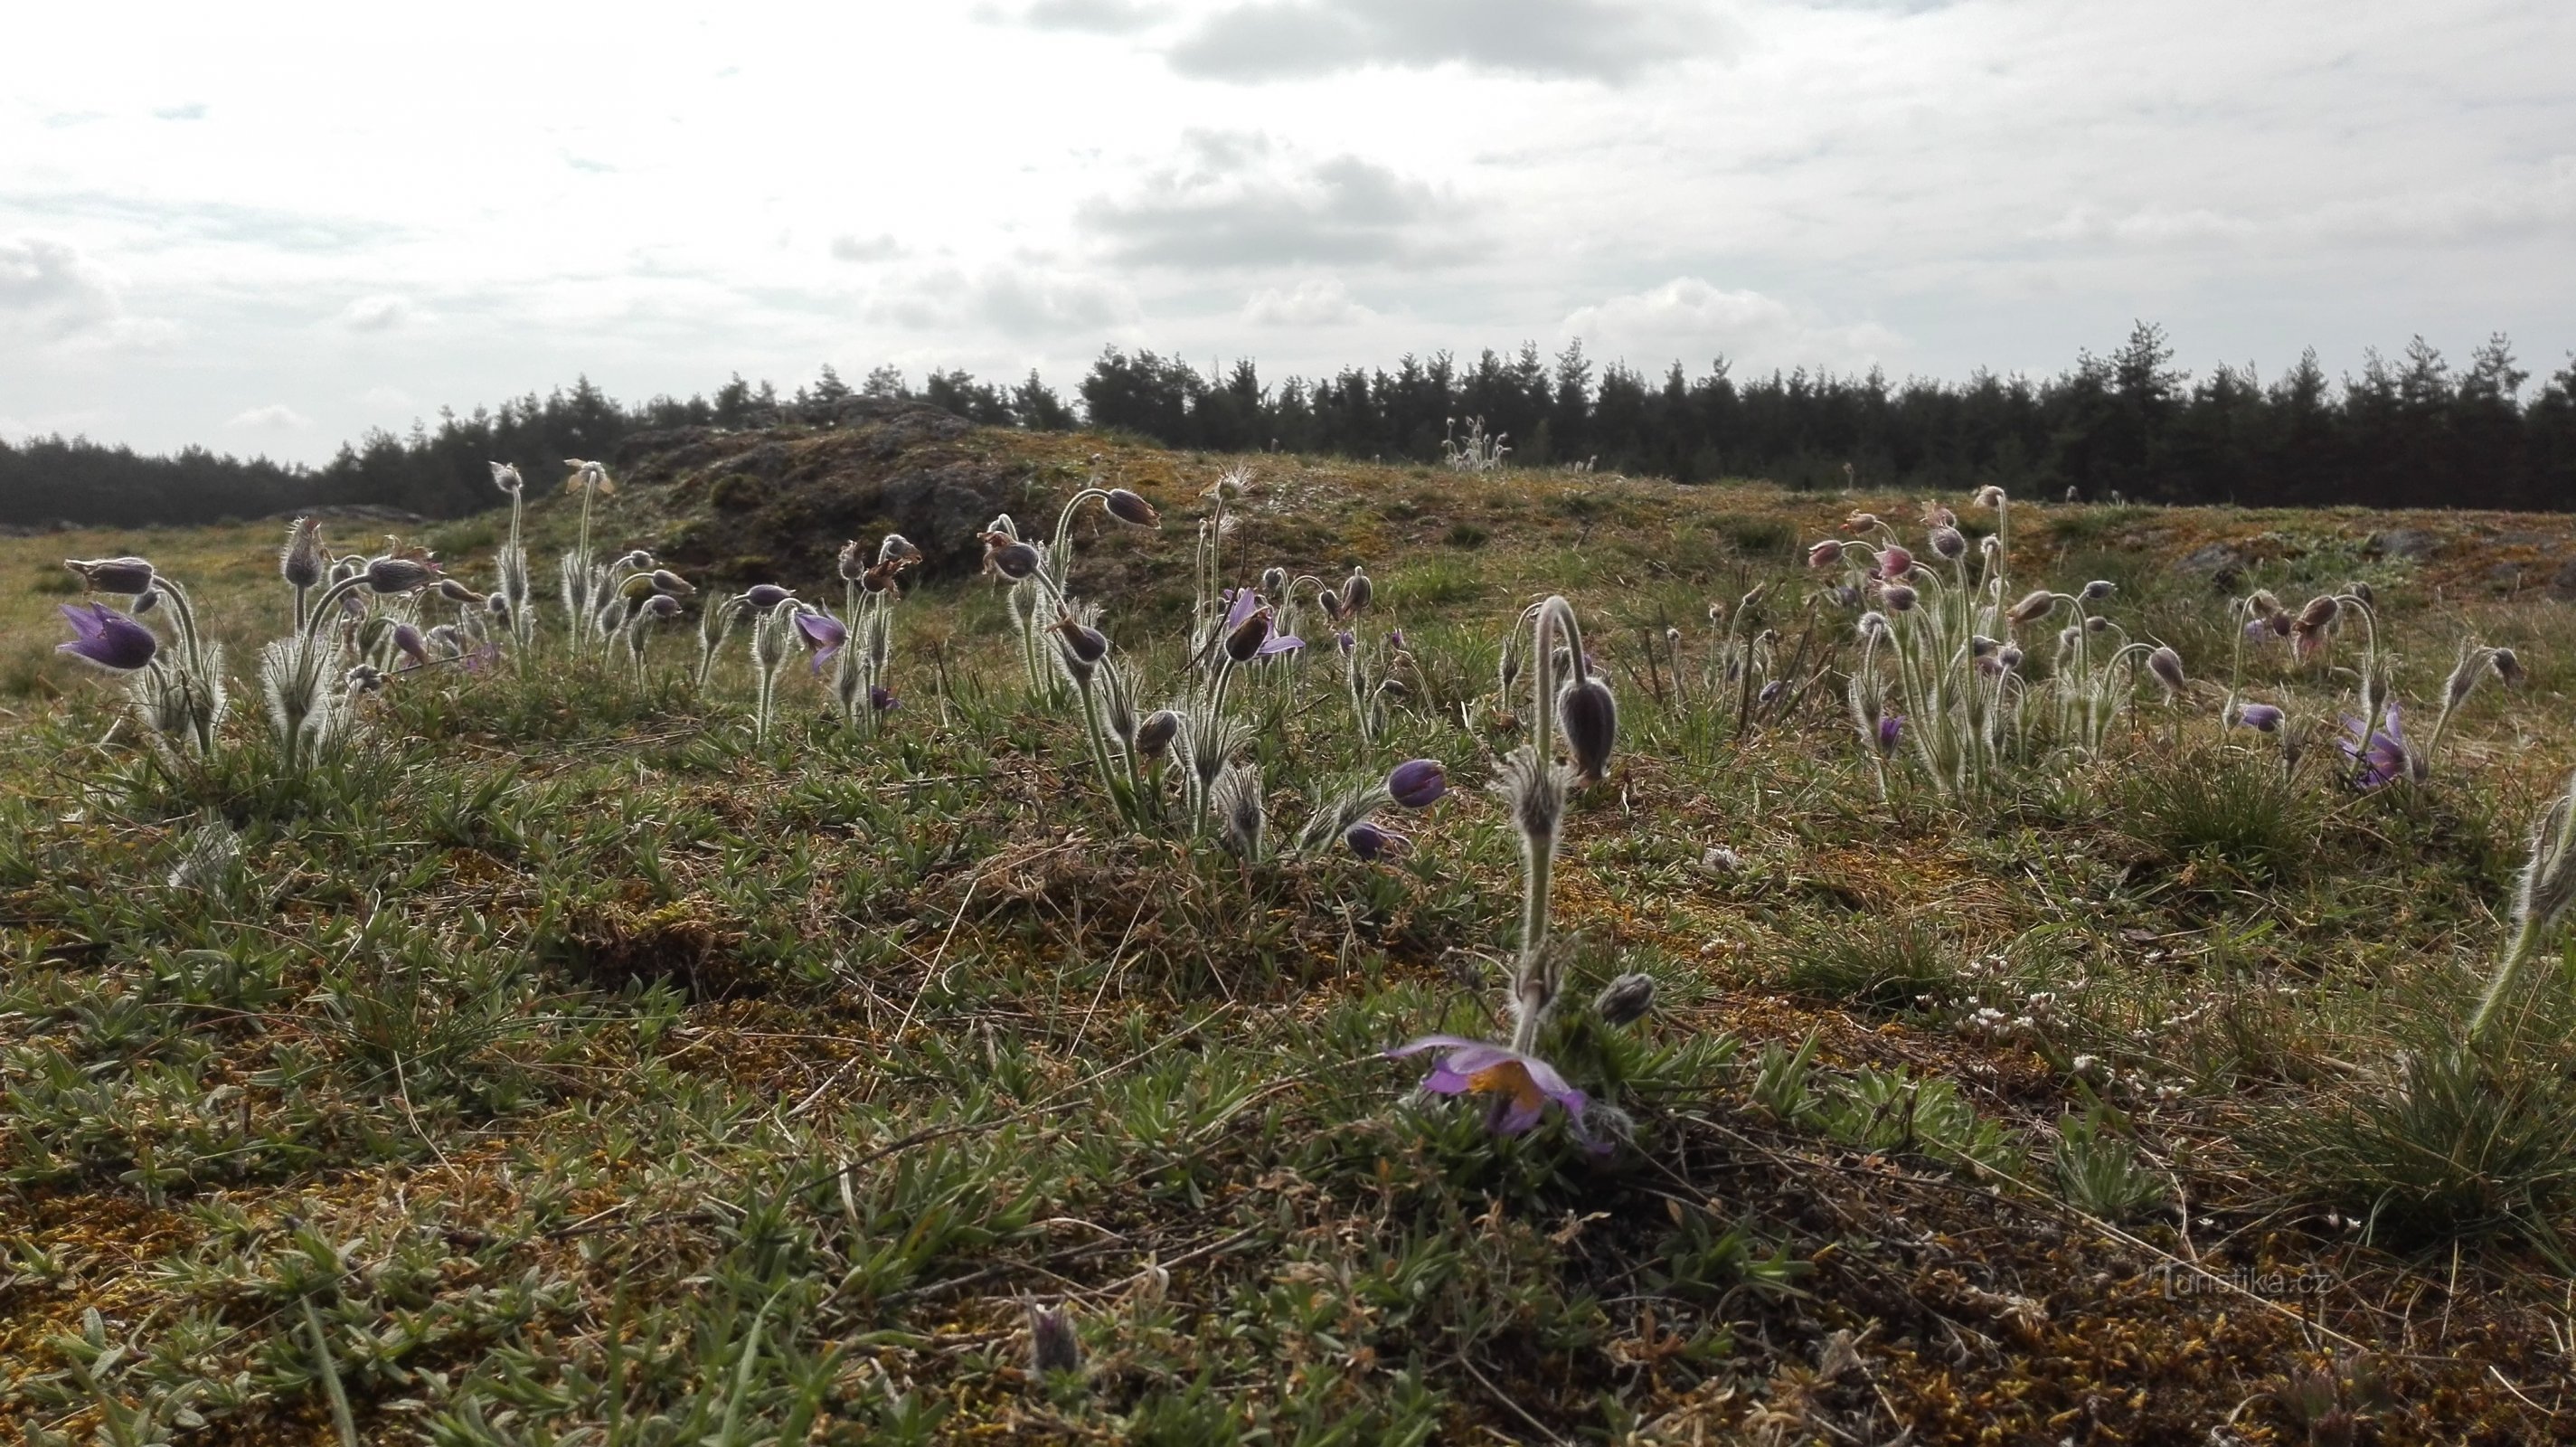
(868, 594)
(584, 581)
(312, 676)
(515, 605)
(1039, 572)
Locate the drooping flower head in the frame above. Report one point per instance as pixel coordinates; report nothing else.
(1949, 542)
(1009, 557)
(2381, 755)
(1520, 1086)
(1129, 507)
(666, 581)
(1894, 563)
(2263, 717)
(1625, 1000)
(822, 633)
(107, 638)
(2036, 604)
(761, 597)
(1417, 783)
(1356, 591)
(1156, 733)
(2166, 665)
(1820, 555)
(410, 644)
(393, 574)
(1589, 717)
(126, 576)
(1370, 840)
(882, 699)
(1891, 727)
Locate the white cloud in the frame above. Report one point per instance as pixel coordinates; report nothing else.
(1689, 320)
(1311, 302)
(53, 294)
(275, 417)
(881, 247)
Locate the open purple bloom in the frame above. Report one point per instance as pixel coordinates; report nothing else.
(108, 638)
(2381, 755)
(1417, 783)
(823, 634)
(1521, 1085)
(2262, 716)
(1891, 727)
(882, 699)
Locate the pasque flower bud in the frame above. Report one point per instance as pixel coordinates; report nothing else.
(1590, 718)
(1625, 1000)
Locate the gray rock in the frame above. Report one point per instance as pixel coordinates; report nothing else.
(2415, 544)
(2562, 584)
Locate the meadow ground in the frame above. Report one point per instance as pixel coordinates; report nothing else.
(553, 1062)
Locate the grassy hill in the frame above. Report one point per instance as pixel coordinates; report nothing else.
(552, 1052)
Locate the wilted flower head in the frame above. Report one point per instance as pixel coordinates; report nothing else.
(1980, 646)
(398, 575)
(1417, 783)
(1989, 496)
(105, 637)
(2262, 603)
(588, 477)
(301, 562)
(506, 478)
(1949, 542)
(2036, 604)
(1820, 555)
(852, 563)
(1520, 1086)
(2166, 665)
(2261, 716)
(2508, 666)
(1129, 507)
(895, 546)
(1009, 556)
(637, 558)
(1625, 1000)
(1935, 515)
(127, 576)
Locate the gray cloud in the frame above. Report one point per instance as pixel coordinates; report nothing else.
(1232, 206)
(51, 293)
(1018, 303)
(1095, 17)
(882, 247)
(1603, 40)
(384, 312)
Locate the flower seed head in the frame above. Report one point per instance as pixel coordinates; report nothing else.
(127, 576)
(1128, 507)
(1418, 783)
(1873, 624)
(2261, 603)
(1590, 718)
(1625, 1000)
(1980, 646)
(2363, 591)
(852, 564)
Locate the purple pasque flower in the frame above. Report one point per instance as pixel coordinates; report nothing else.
(2260, 716)
(1891, 727)
(1371, 840)
(882, 699)
(1417, 783)
(764, 596)
(1344, 641)
(823, 635)
(1520, 1085)
(108, 638)
(127, 575)
(409, 642)
(2380, 755)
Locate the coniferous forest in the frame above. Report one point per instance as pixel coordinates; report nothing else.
(2415, 430)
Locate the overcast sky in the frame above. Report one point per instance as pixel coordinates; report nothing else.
(267, 227)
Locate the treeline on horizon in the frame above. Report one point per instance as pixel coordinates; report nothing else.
(2409, 431)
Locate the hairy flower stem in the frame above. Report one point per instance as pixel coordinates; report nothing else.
(2508, 969)
(1539, 826)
